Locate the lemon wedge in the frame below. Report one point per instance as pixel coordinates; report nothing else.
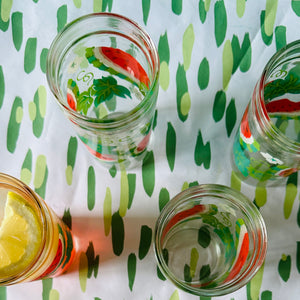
(20, 235)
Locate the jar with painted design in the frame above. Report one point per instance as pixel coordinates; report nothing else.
(103, 71)
(266, 148)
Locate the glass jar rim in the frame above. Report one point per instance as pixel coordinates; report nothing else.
(127, 117)
(10, 182)
(239, 200)
(285, 143)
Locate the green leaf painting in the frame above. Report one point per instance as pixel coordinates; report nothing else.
(14, 124)
(17, 29)
(171, 146)
(220, 18)
(131, 268)
(30, 55)
(145, 241)
(219, 105)
(146, 9)
(202, 154)
(117, 233)
(91, 184)
(148, 173)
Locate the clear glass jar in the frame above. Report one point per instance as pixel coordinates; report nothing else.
(210, 240)
(103, 71)
(55, 248)
(267, 145)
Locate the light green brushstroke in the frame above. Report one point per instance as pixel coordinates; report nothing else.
(32, 110)
(207, 5)
(97, 6)
(240, 7)
(83, 271)
(227, 63)
(187, 46)
(175, 296)
(185, 104)
(194, 261)
(40, 171)
(42, 92)
(77, 3)
(107, 212)
(6, 6)
(54, 295)
(124, 196)
(270, 16)
(69, 175)
(164, 75)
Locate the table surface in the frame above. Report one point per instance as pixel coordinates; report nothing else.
(228, 44)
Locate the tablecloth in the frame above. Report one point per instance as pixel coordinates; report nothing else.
(211, 55)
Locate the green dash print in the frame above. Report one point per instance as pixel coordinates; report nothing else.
(266, 295)
(171, 146)
(83, 271)
(37, 110)
(220, 18)
(254, 286)
(296, 7)
(67, 218)
(175, 296)
(43, 59)
(54, 295)
(47, 287)
(182, 95)
(146, 10)
(26, 170)
(93, 261)
(3, 293)
(131, 188)
(3, 24)
(131, 269)
(6, 6)
(30, 55)
(17, 29)
(202, 154)
(117, 233)
(187, 273)
(194, 261)
(41, 175)
(148, 173)
(2, 86)
(107, 212)
(291, 192)
(61, 15)
(267, 39)
(14, 124)
(163, 199)
(227, 63)
(235, 182)
(203, 74)
(91, 182)
(271, 10)
(124, 193)
(260, 195)
(280, 37)
(145, 241)
(240, 7)
(177, 7)
(219, 106)
(202, 11)
(204, 237)
(204, 272)
(163, 48)
(241, 54)
(187, 46)
(71, 158)
(77, 3)
(284, 267)
(230, 117)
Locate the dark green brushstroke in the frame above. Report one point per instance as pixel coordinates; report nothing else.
(148, 173)
(42, 189)
(131, 269)
(202, 154)
(266, 295)
(220, 18)
(177, 7)
(203, 74)
(72, 151)
(204, 272)
(145, 241)
(280, 37)
(17, 29)
(204, 237)
(3, 25)
(219, 105)
(61, 16)
(131, 188)
(163, 48)
(93, 261)
(2, 86)
(13, 128)
(30, 55)
(266, 39)
(202, 11)
(171, 146)
(38, 122)
(117, 233)
(113, 171)
(43, 59)
(230, 117)
(296, 7)
(146, 9)
(163, 199)
(181, 89)
(67, 218)
(27, 163)
(91, 183)
(47, 287)
(284, 267)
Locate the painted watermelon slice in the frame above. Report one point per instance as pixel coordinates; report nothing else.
(245, 132)
(99, 155)
(122, 62)
(284, 107)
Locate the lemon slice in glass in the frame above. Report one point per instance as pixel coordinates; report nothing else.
(20, 235)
